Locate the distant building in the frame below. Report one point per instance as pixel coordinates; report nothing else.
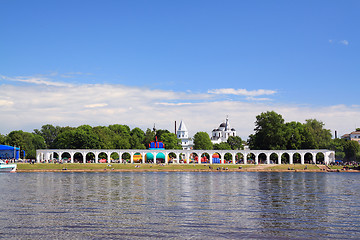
(183, 134)
(223, 132)
(353, 136)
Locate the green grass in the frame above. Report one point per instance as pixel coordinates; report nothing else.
(128, 166)
(293, 166)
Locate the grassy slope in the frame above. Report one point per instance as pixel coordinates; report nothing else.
(116, 166)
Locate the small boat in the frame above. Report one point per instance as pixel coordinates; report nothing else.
(7, 167)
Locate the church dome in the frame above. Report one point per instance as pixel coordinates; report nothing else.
(223, 125)
(233, 129)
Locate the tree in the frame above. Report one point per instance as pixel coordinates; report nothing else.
(269, 132)
(337, 145)
(202, 141)
(121, 137)
(2, 139)
(222, 146)
(321, 136)
(351, 149)
(149, 137)
(137, 138)
(49, 133)
(170, 141)
(235, 143)
(28, 142)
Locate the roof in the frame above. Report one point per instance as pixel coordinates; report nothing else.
(356, 132)
(182, 126)
(6, 147)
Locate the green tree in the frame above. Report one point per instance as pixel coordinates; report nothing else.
(222, 146)
(235, 142)
(121, 137)
(337, 145)
(2, 139)
(170, 141)
(202, 141)
(351, 149)
(28, 142)
(321, 136)
(149, 137)
(269, 132)
(49, 133)
(137, 138)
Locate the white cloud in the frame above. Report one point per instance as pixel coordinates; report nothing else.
(242, 92)
(35, 80)
(96, 105)
(344, 42)
(31, 106)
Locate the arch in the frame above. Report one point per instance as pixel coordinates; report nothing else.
(114, 157)
(89, 157)
(102, 157)
(205, 157)
(172, 158)
(228, 157)
(274, 158)
(320, 158)
(262, 158)
(125, 157)
(138, 157)
(251, 158)
(78, 157)
(296, 158)
(308, 158)
(193, 158)
(285, 158)
(65, 156)
(239, 158)
(216, 158)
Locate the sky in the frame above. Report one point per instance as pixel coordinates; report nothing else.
(69, 63)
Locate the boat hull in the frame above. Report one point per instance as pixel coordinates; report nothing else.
(8, 168)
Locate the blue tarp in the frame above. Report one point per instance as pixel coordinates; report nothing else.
(9, 151)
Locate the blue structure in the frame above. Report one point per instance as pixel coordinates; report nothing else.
(7, 152)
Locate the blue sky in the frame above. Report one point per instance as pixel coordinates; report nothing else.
(140, 62)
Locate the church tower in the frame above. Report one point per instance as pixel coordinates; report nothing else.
(183, 134)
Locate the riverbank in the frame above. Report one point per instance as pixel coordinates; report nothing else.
(115, 167)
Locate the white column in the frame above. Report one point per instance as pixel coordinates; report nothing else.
(279, 157)
(222, 158)
(143, 157)
(256, 158)
(155, 157)
(211, 160)
(187, 157)
(268, 158)
(166, 159)
(302, 155)
(233, 158)
(108, 157)
(96, 158)
(245, 158)
(291, 161)
(131, 157)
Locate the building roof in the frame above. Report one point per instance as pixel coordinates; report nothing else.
(182, 126)
(6, 147)
(355, 132)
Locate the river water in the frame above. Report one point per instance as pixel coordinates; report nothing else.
(180, 205)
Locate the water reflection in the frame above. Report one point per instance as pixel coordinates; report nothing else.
(182, 205)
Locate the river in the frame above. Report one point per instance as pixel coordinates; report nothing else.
(180, 205)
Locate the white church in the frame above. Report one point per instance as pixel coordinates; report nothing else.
(183, 134)
(218, 135)
(223, 132)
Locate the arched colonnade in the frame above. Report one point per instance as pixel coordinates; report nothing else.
(248, 156)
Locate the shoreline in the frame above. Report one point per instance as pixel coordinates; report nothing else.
(179, 170)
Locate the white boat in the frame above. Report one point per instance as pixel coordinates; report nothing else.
(7, 167)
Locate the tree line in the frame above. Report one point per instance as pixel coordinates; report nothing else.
(271, 133)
